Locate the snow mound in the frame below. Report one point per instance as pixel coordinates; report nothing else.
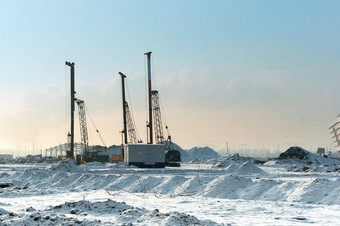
(237, 158)
(198, 153)
(313, 168)
(117, 213)
(238, 165)
(239, 168)
(5, 215)
(223, 163)
(248, 168)
(3, 212)
(67, 165)
(95, 164)
(83, 207)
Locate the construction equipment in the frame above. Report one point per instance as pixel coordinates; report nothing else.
(156, 110)
(129, 126)
(83, 132)
(172, 156)
(149, 124)
(70, 153)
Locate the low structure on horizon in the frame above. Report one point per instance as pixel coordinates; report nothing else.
(335, 132)
(320, 151)
(6, 156)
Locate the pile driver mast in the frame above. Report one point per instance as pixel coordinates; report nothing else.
(83, 127)
(149, 125)
(129, 127)
(70, 154)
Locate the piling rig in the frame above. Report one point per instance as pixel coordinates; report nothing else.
(129, 126)
(83, 131)
(156, 110)
(172, 156)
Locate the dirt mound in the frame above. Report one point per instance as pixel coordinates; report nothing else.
(301, 160)
(295, 153)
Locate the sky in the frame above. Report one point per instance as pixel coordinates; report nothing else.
(247, 74)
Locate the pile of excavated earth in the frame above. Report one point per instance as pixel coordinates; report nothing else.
(299, 160)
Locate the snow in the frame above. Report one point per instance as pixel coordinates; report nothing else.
(67, 166)
(225, 190)
(306, 161)
(197, 153)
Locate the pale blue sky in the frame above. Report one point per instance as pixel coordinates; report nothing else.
(261, 73)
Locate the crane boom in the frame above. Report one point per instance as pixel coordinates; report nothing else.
(83, 127)
(130, 125)
(172, 156)
(159, 137)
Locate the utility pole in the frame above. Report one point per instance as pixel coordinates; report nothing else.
(150, 97)
(124, 107)
(71, 65)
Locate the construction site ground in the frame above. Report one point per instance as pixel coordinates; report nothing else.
(220, 191)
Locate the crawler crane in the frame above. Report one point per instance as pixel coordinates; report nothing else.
(129, 126)
(83, 132)
(172, 156)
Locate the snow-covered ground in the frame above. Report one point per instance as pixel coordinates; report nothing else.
(229, 190)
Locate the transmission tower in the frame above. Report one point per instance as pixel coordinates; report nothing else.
(159, 137)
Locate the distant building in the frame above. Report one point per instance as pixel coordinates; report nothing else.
(320, 151)
(6, 156)
(335, 132)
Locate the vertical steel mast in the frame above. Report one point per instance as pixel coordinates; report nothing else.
(150, 97)
(71, 65)
(124, 107)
